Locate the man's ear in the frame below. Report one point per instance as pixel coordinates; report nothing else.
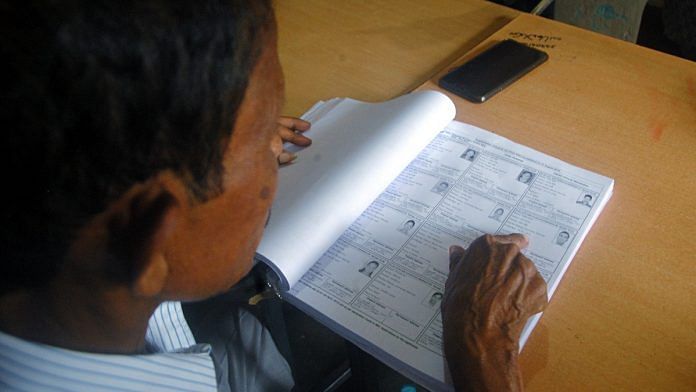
(137, 238)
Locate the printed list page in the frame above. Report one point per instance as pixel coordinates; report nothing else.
(381, 283)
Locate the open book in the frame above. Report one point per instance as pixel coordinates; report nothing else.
(363, 220)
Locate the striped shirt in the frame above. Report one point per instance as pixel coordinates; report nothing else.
(176, 362)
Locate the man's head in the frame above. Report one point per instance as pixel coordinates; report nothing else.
(562, 237)
(435, 298)
(525, 177)
(498, 212)
(408, 225)
(587, 198)
(370, 267)
(137, 139)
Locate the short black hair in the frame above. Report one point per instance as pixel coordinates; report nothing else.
(100, 95)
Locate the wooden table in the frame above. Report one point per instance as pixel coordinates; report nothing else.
(374, 50)
(624, 316)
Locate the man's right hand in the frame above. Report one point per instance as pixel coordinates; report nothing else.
(491, 291)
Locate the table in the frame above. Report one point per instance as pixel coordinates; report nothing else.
(375, 50)
(624, 316)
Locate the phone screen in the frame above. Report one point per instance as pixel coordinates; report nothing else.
(491, 71)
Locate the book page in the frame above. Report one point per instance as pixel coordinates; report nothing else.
(381, 283)
(358, 149)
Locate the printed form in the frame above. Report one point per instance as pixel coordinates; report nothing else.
(387, 272)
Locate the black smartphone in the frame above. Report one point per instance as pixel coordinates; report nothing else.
(491, 71)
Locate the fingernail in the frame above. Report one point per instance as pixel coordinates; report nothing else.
(286, 157)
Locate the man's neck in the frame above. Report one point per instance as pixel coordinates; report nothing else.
(77, 319)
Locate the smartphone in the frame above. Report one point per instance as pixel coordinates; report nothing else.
(491, 71)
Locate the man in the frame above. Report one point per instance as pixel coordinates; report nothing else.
(469, 155)
(407, 226)
(441, 187)
(435, 299)
(525, 177)
(497, 214)
(562, 237)
(369, 268)
(586, 200)
(142, 141)
(142, 144)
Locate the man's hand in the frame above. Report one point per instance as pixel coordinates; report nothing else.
(491, 291)
(290, 130)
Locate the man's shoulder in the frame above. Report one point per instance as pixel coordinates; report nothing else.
(167, 328)
(28, 365)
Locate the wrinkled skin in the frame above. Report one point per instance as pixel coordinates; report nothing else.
(491, 291)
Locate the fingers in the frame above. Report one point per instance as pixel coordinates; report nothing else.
(511, 245)
(538, 297)
(536, 290)
(281, 155)
(276, 145)
(518, 239)
(493, 258)
(290, 128)
(289, 135)
(492, 288)
(293, 123)
(286, 157)
(530, 287)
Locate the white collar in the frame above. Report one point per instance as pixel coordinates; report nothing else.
(26, 365)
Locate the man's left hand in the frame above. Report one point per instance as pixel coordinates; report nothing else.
(290, 130)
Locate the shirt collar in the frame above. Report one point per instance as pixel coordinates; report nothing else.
(26, 365)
